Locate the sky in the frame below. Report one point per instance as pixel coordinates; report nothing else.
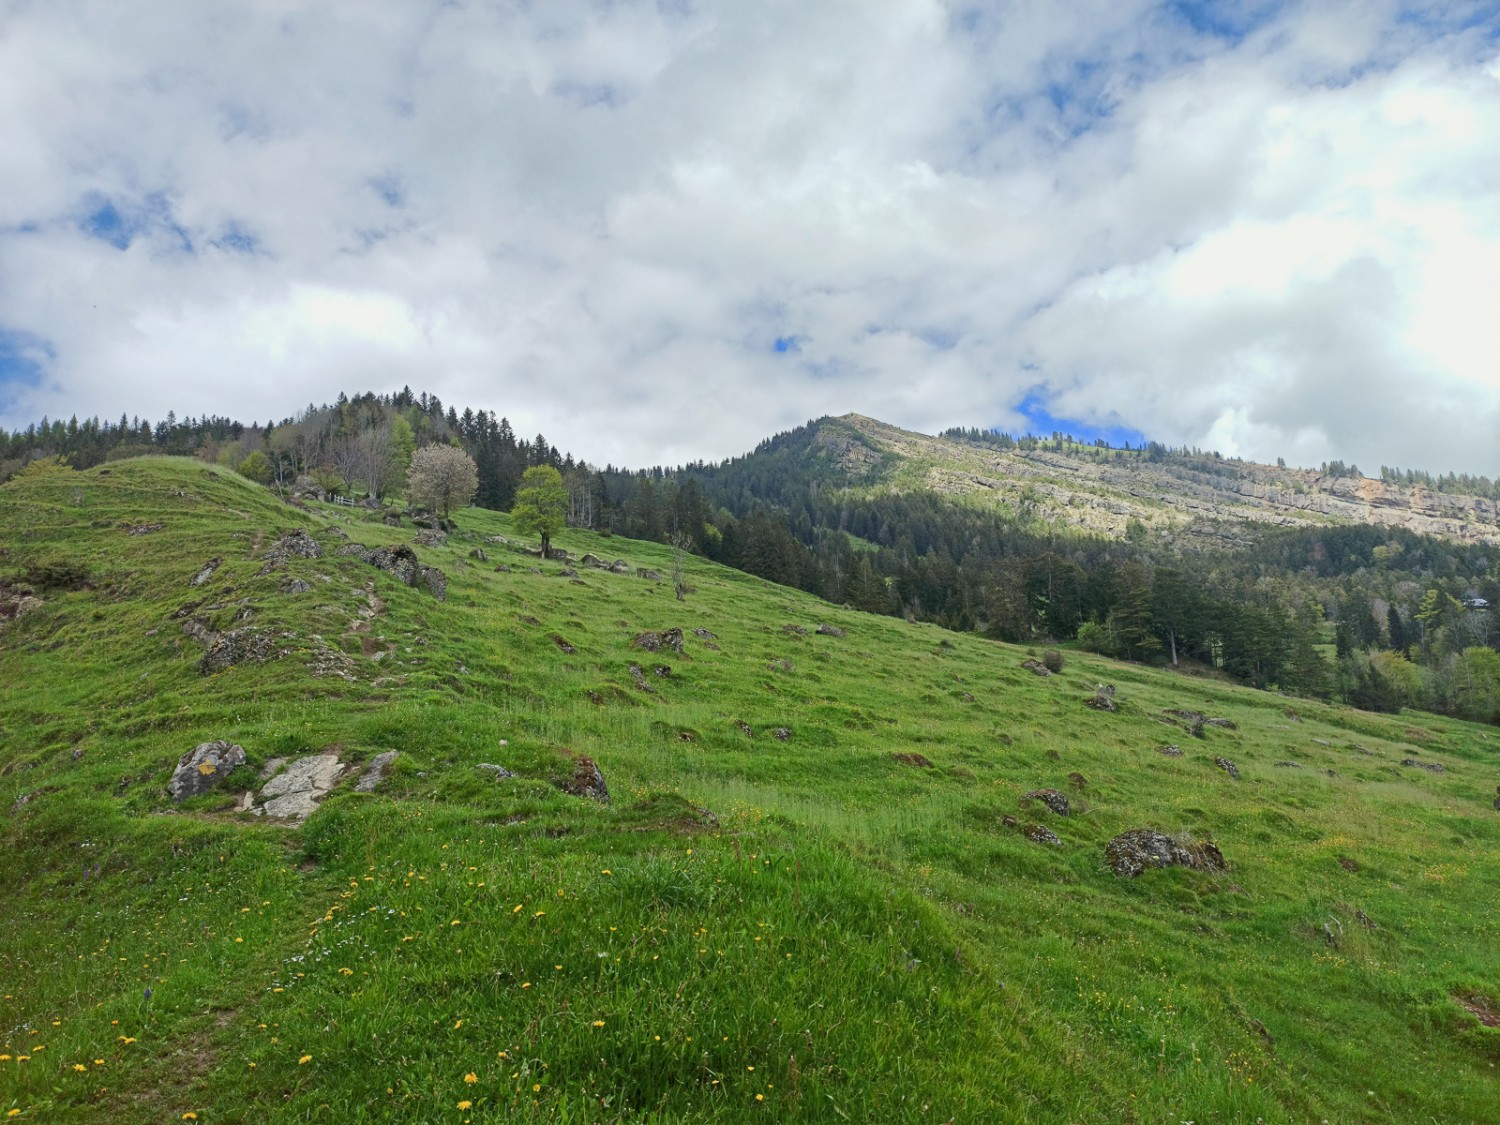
(660, 232)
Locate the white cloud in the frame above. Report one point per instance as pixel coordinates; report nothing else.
(597, 220)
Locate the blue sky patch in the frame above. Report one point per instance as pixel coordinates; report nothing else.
(1230, 20)
(237, 239)
(106, 223)
(785, 344)
(120, 223)
(24, 359)
(1043, 423)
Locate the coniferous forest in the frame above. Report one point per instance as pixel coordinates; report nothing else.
(1378, 617)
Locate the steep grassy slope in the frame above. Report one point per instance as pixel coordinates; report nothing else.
(754, 928)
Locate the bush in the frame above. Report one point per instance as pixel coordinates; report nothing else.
(1052, 659)
(1094, 637)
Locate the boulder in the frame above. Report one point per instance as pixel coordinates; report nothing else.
(225, 650)
(794, 630)
(478, 555)
(204, 767)
(295, 792)
(1036, 667)
(587, 781)
(1430, 767)
(500, 772)
(781, 734)
(1170, 751)
(296, 544)
(591, 559)
(1132, 852)
(430, 537)
(1228, 767)
(1040, 834)
(1103, 698)
(436, 582)
(1054, 800)
(374, 772)
(830, 631)
(655, 642)
(295, 586)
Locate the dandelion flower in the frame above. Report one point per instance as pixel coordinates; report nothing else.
(760, 1097)
(304, 1060)
(518, 908)
(537, 1089)
(79, 1066)
(14, 1113)
(190, 1116)
(470, 1078)
(598, 1023)
(465, 1104)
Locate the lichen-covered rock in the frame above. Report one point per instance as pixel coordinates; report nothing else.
(1132, 852)
(295, 586)
(830, 631)
(1036, 667)
(1170, 751)
(1228, 767)
(794, 630)
(478, 555)
(204, 767)
(436, 581)
(781, 734)
(1103, 698)
(587, 781)
(1054, 800)
(500, 773)
(236, 646)
(430, 537)
(374, 773)
(296, 544)
(1430, 767)
(1040, 834)
(655, 642)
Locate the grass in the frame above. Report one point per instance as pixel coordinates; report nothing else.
(845, 937)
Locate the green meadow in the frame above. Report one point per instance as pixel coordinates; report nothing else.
(774, 918)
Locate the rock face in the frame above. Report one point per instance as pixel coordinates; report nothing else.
(1132, 852)
(1054, 800)
(375, 772)
(295, 792)
(587, 781)
(203, 767)
(403, 563)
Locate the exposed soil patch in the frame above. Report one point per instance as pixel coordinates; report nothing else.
(913, 759)
(1482, 1008)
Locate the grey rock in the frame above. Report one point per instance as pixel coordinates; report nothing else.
(296, 544)
(500, 772)
(1054, 800)
(1036, 667)
(830, 631)
(1288, 765)
(1132, 852)
(206, 572)
(295, 586)
(295, 792)
(1228, 767)
(204, 767)
(1040, 834)
(1430, 767)
(587, 781)
(430, 537)
(437, 582)
(781, 734)
(478, 555)
(374, 773)
(655, 642)
(794, 630)
(236, 646)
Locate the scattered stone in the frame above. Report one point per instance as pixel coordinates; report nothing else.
(794, 630)
(144, 529)
(430, 537)
(1348, 864)
(206, 572)
(1227, 724)
(662, 670)
(1008, 821)
(1078, 781)
(500, 772)
(1322, 742)
(829, 631)
(748, 733)
(619, 566)
(17, 601)
(203, 767)
(296, 544)
(478, 555)
(295, 586)
(1132, 852)
(225, 650)
(567, 572)
(1365, 750)
(1036, 667)
(374, 773)
(1228, 767)
(502, 569)
(1288, 765)
(1103, 698)
(294, 793)
(1052, 798)
(655, 642)
(246, 803)
(562, 644)
(780, 734)
(640, 679)
(649, 574)
(705, 634)
(336, 532)
(325, 661)
(781, 666)
(591, 559)
(913, 759)
(1430, 767)
(587, 781)
(1040, 834)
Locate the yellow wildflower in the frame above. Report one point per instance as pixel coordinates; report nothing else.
(470, 1078)
(465, 1104)
(304, 1060)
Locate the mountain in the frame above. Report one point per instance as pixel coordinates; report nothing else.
(850, 867)
(1102, 490)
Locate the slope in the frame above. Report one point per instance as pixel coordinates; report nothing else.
(805, 899)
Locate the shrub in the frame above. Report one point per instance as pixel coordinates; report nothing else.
(1052, 659)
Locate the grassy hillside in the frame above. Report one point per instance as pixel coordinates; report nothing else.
(774, 918)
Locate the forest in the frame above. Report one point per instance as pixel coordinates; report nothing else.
(1380, 618)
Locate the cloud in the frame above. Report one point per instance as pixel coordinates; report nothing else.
(1267, 228)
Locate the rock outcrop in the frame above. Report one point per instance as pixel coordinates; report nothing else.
(1131, 853)
(202, 768)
